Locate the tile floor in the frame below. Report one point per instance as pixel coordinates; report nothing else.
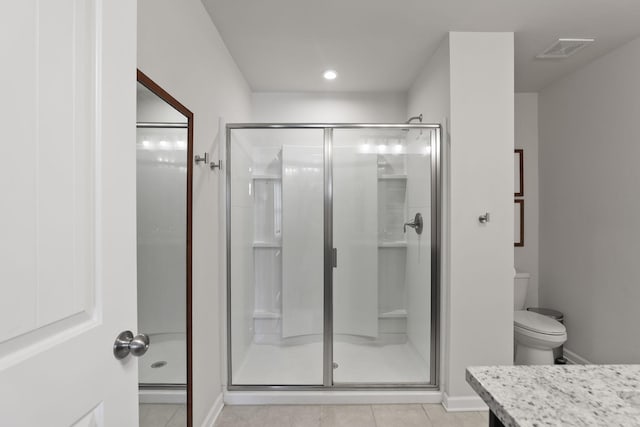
(160, 415)
(348, 416)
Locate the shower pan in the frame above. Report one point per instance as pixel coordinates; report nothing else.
(333, 241)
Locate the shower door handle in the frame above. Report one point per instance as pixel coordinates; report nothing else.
(334, 258)
(126, 343)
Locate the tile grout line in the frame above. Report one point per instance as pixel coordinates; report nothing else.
(426, 414)
(373, 414)
(431, 420)
(178, 407)
(171, 417)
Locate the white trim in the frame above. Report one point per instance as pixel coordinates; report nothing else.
(575, 359)
(329, 397)
(463, 403)
(162, 396)
(214, 412)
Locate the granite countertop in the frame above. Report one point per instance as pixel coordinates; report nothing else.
(560, 395)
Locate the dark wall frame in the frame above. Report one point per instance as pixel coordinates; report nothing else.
(165, 96)
(519, 240)
(520, 153)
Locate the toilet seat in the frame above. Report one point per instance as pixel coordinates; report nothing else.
(538, 323)
(537, 339)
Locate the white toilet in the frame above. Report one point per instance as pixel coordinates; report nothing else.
(535, 335)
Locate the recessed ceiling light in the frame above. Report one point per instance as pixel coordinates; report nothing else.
(330, 75)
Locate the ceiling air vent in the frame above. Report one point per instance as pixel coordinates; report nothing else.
(564, 48)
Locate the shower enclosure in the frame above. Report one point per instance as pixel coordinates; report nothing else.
(332, 276)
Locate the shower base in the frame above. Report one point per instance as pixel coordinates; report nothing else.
(166, 360)
(162, 371)
(267, 364)
(333, 397)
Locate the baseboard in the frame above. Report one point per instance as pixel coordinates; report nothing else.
(174, 397)
(463, 403)
(575, 359)
(214, 412)
(330, 397)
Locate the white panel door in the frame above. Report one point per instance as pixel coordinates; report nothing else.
(67, 246)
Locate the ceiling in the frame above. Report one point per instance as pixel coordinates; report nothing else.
(381, 45)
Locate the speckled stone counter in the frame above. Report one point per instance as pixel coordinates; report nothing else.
(560, 395)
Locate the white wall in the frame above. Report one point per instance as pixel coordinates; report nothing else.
(526, 131)
(478, 270)
(481, 168)
(589, 205)
(151, 108)
(180, 49)
(329, 107)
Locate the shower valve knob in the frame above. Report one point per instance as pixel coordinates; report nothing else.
(417, 224)
(126, 343)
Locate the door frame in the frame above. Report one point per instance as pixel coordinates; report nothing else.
(328, 261)
(146, 81)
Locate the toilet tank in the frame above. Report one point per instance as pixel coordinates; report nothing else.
(520, 283)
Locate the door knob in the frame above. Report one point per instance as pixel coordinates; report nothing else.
(126, 343)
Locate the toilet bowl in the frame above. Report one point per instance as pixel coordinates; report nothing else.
(535, 338)
(535, 335)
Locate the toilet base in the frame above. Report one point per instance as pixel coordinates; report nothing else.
(533, 356)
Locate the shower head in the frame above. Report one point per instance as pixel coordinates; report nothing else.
(414, 118)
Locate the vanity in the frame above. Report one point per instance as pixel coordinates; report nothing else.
(559, 395)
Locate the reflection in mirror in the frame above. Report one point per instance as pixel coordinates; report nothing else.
(161, 179)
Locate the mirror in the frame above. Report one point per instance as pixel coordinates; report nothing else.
(163, 177)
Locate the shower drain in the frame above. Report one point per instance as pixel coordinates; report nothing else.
(158, 364)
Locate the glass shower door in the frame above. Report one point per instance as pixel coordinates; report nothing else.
(382, 281)
(276, 279)
(332, 255)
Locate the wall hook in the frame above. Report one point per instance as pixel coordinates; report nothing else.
(214, 165)
(201, 159)
(484, 218)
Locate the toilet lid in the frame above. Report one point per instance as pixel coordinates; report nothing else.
(537, 323)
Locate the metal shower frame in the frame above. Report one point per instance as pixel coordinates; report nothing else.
(436, 208)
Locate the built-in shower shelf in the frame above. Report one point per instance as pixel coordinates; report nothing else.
(395, 314)
(261, 314)
(271, 177)
(257, 245)
(392, 176)
(397, 244)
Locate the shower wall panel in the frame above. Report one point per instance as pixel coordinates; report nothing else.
(355, 202)
(302, 240)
